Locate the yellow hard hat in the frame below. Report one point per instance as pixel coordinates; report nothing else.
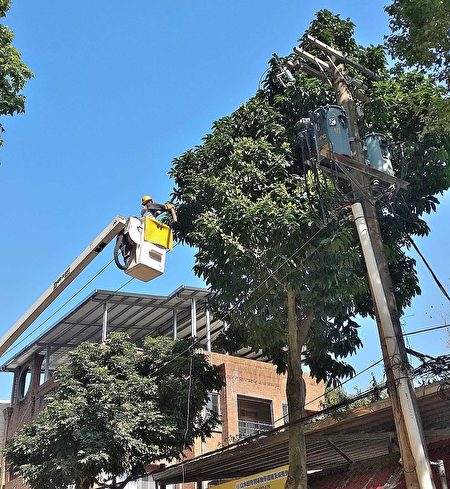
(145, 199)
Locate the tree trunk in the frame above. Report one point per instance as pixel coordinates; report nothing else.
(295, 394)
(83, 484)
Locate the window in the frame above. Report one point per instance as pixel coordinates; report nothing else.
(254, 416)
(214, 406)
(285, 414)
(214, 403)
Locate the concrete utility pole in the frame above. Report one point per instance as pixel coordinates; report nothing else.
(404, 404)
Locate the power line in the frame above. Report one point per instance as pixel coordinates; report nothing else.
(227, 314)
(370, 366)
(131, 279)
(413, 221)
(338, 386)
(13, 346)
(425, 330)
(304, 419)
(435, 278)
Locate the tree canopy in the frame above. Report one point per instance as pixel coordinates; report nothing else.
(14, 73)
(420, 35)
(247, 203)
(116, 409)
(275, 244)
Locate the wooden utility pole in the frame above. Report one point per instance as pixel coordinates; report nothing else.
(411, 439)
(417, 472)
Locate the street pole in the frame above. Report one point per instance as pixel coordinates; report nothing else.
(411, 440)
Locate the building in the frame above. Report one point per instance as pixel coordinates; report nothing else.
(3, 407)
(357, 449)
(252, 401)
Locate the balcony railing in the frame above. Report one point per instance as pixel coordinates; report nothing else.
(249, 428)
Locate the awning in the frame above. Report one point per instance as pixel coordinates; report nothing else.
(356, 436)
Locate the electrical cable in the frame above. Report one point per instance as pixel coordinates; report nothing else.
(188, 409)
(188, 401)
(438, 283)
(12, 347)
(57, 310)
(338, 386)
(303, 419)
(362, 395)
(352, 399)
(227, 314)
(410, 239)
(261, 78)
(124, 285)
(425, 330)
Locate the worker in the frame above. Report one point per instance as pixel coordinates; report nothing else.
(151, 209)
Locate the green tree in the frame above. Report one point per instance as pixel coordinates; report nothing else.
(14, 72)
(420, 35)
(116, 409)
(340, 401)
(275, 246)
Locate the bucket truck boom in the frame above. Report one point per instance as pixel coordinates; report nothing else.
(142, 244)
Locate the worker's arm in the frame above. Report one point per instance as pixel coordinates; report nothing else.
(170, 207)
(156, 207)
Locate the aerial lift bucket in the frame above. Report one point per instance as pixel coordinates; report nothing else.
(143, 245)
(158, 233)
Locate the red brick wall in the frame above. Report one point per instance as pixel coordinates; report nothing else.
(23, 410)
(256, 379)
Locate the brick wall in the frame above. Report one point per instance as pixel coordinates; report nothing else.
(243, 378)
(16, 484)
(25, 405)
(254, 379)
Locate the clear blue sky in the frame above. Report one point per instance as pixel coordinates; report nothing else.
(119, 91)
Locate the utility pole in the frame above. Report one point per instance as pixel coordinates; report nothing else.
(410, 436)
(414, 458)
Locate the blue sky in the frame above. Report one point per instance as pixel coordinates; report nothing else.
(119, 91)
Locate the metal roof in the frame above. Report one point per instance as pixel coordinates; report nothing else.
(139, 315)
(358, 435)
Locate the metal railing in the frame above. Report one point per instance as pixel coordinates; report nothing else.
(249, 428)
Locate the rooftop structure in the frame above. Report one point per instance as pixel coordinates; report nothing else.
(252, 401)
(181, 314)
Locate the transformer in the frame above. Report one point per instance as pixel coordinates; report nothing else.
(332, 130)
(376, 153)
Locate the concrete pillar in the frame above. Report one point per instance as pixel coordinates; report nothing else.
(208, 330)
(105, 323)
(175, 324)
(193, 318)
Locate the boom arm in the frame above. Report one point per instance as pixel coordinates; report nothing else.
(80, 263)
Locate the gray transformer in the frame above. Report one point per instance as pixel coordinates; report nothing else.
(332, 130)
(376, 153)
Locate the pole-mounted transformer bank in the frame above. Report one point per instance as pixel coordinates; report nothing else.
(326, 134)
(332, 130)
(376, 152)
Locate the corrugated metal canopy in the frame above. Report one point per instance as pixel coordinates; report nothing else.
(361, 434)
(139, 315)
